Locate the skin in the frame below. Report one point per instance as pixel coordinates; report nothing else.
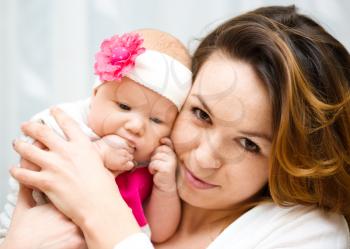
(66, 234)
(216, 147)
(214, 142)
(134, 113)
(236, 113)
(135, 122)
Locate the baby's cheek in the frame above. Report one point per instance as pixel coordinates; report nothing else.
(145, 152)
(94, 118)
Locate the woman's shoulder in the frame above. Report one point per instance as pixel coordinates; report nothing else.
(271, 226)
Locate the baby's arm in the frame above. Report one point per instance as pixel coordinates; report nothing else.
(163, 209)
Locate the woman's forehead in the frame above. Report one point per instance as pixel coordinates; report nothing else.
(232, 90)
(221, 75)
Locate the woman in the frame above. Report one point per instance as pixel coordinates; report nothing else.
(266, 124)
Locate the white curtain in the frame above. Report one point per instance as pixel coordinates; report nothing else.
(47, 47)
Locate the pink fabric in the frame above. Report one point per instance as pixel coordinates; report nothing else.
(117, 56)
(135, 187)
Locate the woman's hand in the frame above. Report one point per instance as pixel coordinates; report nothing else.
(72, 173)
(74, 178)
(41, 227)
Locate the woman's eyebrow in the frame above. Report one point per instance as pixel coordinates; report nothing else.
(257, 134)
(246, 133)
(200, 98)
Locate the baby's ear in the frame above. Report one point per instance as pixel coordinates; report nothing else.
(96, 86)
(94, 92)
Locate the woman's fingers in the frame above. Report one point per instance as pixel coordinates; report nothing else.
(40, 145)
(72, 240)
(32, 153)
(70, 128)
(42, 227)
(28, 177)
(25, 199)
(29, 165)
(43, 134)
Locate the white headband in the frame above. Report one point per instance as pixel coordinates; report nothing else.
(162, 74)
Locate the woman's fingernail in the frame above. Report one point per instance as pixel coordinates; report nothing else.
(54, 109)
(14, 142)
(13, 170)
(41, 121)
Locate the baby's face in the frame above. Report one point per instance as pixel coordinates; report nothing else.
(133, 112)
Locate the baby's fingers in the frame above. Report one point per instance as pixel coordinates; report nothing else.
(157, 166)
(167, 141)
(164, 153)
(121, 160)
(166, 147)
(117, 142)
(153, 167)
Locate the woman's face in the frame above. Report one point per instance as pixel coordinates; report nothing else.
(223, 135)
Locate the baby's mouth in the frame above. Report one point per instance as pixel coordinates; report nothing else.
(141, 164)
(132, 145)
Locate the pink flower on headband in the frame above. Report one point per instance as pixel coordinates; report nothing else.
(117, 56)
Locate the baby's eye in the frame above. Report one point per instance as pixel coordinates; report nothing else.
(124, 106)
(201, 115)
(249, 145)
(156, 120)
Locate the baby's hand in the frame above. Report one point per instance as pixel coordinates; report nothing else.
(163, 167)
(116, 153)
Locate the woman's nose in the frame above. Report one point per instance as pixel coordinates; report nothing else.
(136, 126)
(207, 155)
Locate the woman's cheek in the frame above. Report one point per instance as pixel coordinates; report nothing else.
(186, 134)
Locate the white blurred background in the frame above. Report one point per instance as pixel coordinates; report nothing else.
(47, 47)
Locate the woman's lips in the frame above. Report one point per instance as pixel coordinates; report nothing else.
(196, 182)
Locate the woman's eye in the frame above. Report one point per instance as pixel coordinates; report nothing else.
(249, 145)
(124, 106)
(200, 114)
(156, 120)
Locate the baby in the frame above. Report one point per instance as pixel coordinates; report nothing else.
(144, 79)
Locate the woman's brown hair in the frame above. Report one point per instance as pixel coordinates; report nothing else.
(307, 73)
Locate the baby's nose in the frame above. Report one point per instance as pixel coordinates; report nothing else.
(136, 126)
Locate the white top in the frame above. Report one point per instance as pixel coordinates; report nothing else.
(269, 226)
